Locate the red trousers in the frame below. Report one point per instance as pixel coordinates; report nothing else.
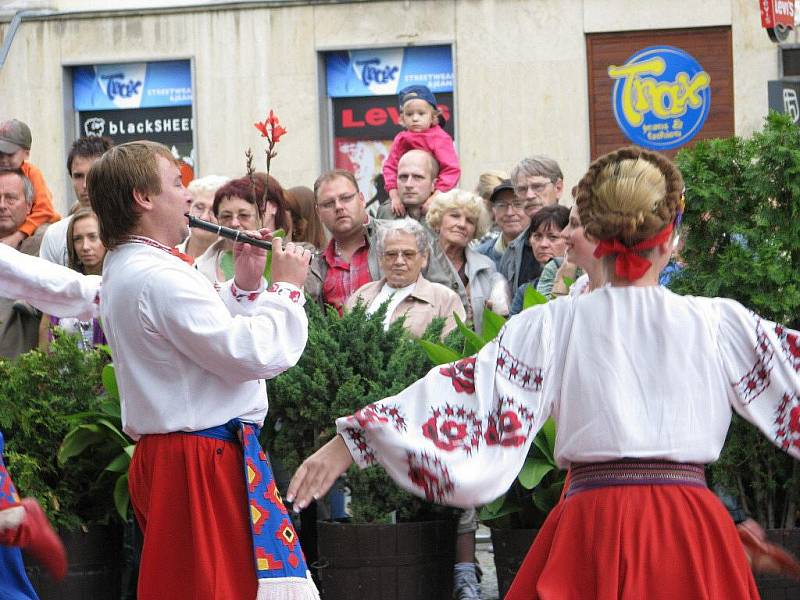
(654, 542)
(189, 496)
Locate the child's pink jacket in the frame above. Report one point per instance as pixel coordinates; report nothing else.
(434, 140)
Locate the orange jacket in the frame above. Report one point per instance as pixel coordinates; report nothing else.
(42, 210)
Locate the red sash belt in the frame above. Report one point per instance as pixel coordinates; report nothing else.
(589, 476)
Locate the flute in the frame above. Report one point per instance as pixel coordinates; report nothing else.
(227, 232)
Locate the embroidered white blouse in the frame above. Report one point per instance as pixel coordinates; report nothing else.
(189, 358)
(624, 371)
(52, 288)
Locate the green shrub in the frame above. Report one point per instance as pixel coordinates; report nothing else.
(349, 362)
(743, 242)
(38, 391)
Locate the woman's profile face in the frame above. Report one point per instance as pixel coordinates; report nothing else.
(580, 251)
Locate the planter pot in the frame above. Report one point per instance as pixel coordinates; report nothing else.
(510, 547)
(406, 561)
(772, 587)
(94, 566)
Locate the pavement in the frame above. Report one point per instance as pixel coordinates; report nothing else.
(486, 559)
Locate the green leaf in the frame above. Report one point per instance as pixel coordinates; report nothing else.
(492, 324)
(119, 464)
(122, 497)
(77, 440)
(472, 341)
(545, 440)
(533, 471)
(226, 265)
(532, 298)
(568, 281)
(505, 505)
(109, 378)
(280, 233)
(114, 431)
(129, 450)
(439, 354)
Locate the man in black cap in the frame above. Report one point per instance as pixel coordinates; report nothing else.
(510, 216)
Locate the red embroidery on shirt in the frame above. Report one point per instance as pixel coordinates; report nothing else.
(753, 383)
(517, 372)
(787, 422)
(357, 437)
(462, 374)
(790, 344)
(430, 475)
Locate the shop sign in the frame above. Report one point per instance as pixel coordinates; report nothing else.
(385, 71)
(661, 97)
(171, 126)
(783, 98)
(777, 13)
(377, 117)
(132, 85)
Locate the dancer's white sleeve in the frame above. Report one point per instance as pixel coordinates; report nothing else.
(52, 288)
(460, 435)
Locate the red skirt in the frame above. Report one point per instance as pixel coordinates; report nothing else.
(189, 496)
(654, 542)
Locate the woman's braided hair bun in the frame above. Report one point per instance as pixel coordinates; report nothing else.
(629, 195)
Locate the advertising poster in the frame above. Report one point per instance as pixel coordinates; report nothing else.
(363, 86)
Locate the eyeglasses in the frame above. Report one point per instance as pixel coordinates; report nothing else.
(406, 255)
(330, 203)
(243, 217)
(536, 188)
(517, 205)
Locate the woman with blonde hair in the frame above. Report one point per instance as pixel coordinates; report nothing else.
(458, 217)
(641, 383)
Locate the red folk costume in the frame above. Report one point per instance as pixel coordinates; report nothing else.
(189, 361)
(635, 373)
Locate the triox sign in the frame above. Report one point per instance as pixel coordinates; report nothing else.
(661, 97)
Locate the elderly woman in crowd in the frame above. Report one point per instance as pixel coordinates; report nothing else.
(202, 191)
(458, 217)
(243, 204)
(85, 254)
(547, 245)
(403, 252)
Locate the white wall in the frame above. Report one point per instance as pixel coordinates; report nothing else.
(520, 70)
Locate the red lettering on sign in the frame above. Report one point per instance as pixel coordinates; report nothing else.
(347, 119)
(444, 110)
(375, 117)
(394, 114)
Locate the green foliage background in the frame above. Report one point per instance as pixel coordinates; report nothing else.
(743, 242)
(349, 362)
(38, 391)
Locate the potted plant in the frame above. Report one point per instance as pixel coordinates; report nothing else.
(514, 517)
(743, 242)
(38, 392)
(396, 545)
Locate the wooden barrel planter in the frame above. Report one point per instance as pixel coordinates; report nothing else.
(772, 587)
(94, 566)
(510, 547)
(406, 561)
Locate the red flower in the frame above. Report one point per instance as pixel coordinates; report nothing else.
(462, 374)
(262, 127)
(451, 432)
(502, 432)
(277, 133)
(794, 419)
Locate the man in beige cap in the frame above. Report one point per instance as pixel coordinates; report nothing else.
(15, 150)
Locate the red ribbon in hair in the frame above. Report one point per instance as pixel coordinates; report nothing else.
(629, 265)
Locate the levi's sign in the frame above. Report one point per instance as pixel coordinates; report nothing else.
(661, 97)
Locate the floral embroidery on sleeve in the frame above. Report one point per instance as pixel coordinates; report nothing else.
(462, 374)
(428, 473)
(753, 383)
(289, 291)
(788, 422)
(517, 372)
(240, 296)
(790, 343)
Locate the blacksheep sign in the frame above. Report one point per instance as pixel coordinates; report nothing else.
(171, 126)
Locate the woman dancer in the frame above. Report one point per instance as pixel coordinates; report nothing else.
(641, 383)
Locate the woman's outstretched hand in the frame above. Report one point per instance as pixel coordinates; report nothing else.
(318, 473)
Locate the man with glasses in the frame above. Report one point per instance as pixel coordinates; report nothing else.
(350, 260)
(537, 182)
(510, 216)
